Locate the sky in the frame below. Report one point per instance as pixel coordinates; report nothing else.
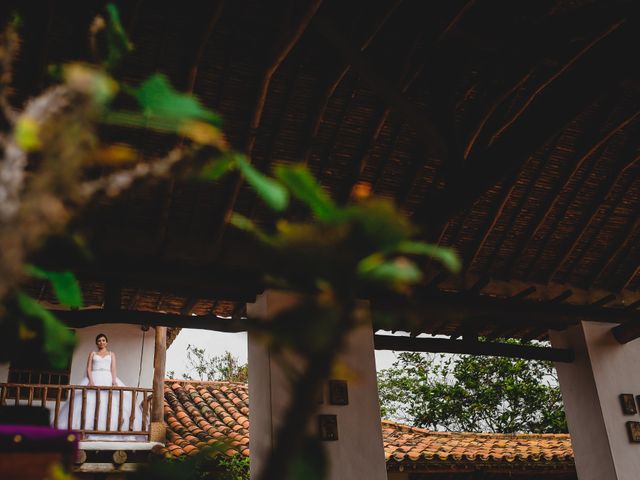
(217, 343)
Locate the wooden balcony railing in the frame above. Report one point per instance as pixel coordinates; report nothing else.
(92, 419)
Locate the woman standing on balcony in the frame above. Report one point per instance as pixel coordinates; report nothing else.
(101, 372)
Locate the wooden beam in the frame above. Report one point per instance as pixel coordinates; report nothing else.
(157, 430)
(441, 345)
(89, 317)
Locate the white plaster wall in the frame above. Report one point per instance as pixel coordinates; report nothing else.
(358, 453)
(591, 386)
(129, 342)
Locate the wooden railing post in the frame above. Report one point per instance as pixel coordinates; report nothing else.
(158, 429)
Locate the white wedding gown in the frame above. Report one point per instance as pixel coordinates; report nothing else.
(101, 374)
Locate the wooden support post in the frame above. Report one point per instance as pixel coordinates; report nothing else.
(157, 433)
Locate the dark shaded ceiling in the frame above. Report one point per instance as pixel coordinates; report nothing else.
(508, 130)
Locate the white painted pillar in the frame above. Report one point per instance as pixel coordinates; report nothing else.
(358, 453)
(591, 386)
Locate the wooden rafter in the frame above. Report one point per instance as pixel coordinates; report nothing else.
(287, 44)
(325, 157)
(281, 53)
(396, 132)
(112, 295)
(405, 83)
(379, 119)
(615, 249)
(197, 59)
(453, 23)
(602, 198)
(189, 306)
(475, 134)
(537, 123)
(272, 140)
(541, 212)
(568, 188)
(133, 301)
(604, 220)
(564, 69)
(418, 119)
(332, 85)
(631, 278)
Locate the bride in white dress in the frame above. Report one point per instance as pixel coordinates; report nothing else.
(101, 372)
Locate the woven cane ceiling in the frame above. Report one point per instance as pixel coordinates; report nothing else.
(508, 130)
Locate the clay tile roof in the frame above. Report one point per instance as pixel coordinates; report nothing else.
(202, 413)
(403, 443)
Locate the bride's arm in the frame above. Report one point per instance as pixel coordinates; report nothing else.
(113, 370)
(89, 369)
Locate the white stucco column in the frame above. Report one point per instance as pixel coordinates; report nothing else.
(358, 452)
(591, 388)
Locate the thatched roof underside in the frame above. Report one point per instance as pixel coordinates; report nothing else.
(508, 130)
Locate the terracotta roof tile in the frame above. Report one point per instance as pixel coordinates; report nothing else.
(203, 413)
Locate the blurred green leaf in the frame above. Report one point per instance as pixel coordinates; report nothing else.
(117, 41)
(447, 256)
(158, 98)
(218, 167)
(271, 191)
(138, 120)
(305, 188)
(383, 227)
(64, 285)
(243, 223)
(399, 271)
(58, 340)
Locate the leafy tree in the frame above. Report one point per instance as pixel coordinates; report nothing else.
(472, 394)
(225, 367)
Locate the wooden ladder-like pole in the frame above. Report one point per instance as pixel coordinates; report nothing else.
(157, 430)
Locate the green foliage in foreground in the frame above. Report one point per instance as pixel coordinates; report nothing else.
(472, 394)
(209, 464)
